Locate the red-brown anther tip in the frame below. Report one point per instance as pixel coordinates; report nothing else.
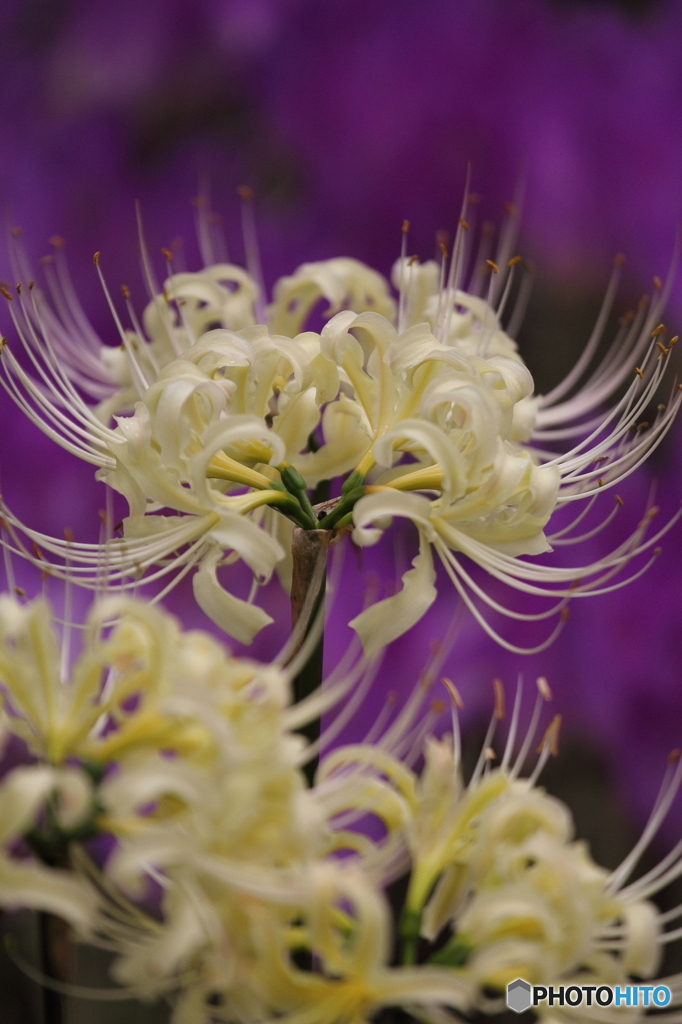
(619, 259)
(639, 373)
(16, 232)
(68, 535)
(406, 227)
(167, 254)
(473, 199)
(463, 223)
(552, 735)
(20, 591)
(95, 259)
(453, 691)
(499, 699)
(493, 266)
(245, 192)
(3, 343)
(437, 706)
(510, 208)
(674, 756)
(125, 291)
(513, 261)
(565, 614)
(619, 500)
(18, 289)
(8, 295)
(658, 284)
(658, 552)
(57, 242)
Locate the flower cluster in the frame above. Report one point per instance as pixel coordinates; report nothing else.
(271, 893)
(230, 417)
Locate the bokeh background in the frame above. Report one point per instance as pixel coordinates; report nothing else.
(346, 116)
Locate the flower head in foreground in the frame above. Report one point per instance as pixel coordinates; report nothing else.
(499, 889)
(229, 415)
(197, 774)
(273, 901)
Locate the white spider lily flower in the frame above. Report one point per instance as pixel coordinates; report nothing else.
(493, 495)
(440, 404)
(163, 689)
(53, 326)
(345, 284)
(498, 882)
(347, 922)
(523, 898)
(24, 794)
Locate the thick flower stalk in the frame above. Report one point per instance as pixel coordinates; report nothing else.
(419, 408)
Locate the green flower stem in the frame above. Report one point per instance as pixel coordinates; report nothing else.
(410, 926)
(287, 505)
(55, 945)
(296, 485)
(309, 552)
(344, 507)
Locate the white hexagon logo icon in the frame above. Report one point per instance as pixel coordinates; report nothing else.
(518, 995)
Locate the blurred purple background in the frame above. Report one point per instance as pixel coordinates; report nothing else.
(345, 117)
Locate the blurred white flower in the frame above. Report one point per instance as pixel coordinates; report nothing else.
(25, 794)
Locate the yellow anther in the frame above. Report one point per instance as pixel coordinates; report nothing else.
(543, 688)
